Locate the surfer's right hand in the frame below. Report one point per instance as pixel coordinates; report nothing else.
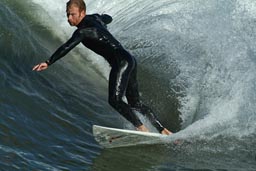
(40, 67)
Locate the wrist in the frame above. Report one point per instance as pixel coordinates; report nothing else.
(47, 62)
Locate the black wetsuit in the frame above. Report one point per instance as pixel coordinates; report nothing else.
(93, 33)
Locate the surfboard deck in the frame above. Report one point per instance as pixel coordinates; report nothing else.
(113, 137)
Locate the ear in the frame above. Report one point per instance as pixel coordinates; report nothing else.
(83, 13)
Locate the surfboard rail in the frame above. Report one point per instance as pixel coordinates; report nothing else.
(114, 137)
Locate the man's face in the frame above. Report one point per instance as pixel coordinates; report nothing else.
(74, 15)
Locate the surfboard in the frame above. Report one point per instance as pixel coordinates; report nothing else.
(114, 137)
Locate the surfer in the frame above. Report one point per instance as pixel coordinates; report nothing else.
(92, 33)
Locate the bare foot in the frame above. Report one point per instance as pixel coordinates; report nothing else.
(142, 128)
(166, 132)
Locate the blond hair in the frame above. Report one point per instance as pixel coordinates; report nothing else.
(79, 3)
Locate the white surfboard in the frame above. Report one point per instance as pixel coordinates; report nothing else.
(113, 137)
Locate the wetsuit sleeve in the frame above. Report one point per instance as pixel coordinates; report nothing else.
(76, 38)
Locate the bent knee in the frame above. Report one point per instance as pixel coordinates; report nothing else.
(114, 102)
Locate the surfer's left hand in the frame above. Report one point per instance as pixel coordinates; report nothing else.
(40, 67)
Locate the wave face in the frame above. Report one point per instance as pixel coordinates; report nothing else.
(196, 70)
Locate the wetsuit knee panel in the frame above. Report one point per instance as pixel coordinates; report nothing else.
(115, 102)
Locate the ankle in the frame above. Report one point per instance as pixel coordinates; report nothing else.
(142, 128)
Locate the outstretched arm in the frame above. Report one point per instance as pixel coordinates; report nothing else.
(61, 51)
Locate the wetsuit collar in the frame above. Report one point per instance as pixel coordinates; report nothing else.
(81, 22)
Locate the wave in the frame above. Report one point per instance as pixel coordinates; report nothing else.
(199, 54)
(196, 69)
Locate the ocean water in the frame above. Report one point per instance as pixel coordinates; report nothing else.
(197, 65)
